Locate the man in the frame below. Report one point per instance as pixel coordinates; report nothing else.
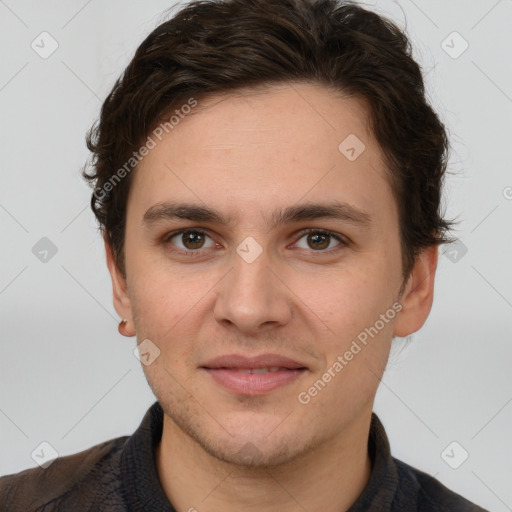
(267, 176)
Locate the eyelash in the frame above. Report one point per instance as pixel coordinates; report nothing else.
(343, 242)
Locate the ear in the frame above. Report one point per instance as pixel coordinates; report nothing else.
(418, 294)
(122, 303)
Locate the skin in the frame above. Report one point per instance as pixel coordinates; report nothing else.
(246, 154)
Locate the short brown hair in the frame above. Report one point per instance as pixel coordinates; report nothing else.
(217, 46)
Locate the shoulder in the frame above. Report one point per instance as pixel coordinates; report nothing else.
(86, 474)
(430, 494)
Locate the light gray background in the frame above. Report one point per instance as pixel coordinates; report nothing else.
(68, 377)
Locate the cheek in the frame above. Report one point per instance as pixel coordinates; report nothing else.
(161, 292)
(343, 302)
(160, 304)
(170, 308)
(347, 320)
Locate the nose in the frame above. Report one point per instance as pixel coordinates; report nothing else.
(252, 297)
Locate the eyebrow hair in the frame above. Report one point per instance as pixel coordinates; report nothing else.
(308, 211)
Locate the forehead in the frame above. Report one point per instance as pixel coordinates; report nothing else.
(264, 146)
(293, 115)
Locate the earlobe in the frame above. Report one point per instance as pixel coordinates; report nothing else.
(121, 299)
(418, 294)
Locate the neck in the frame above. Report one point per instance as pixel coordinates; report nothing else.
(328, 478)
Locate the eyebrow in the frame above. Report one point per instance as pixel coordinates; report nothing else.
(309, 211)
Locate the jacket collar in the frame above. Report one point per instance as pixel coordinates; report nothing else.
(142, 489)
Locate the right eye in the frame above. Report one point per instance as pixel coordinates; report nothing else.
(188, 241)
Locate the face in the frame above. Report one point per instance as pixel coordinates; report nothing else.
(290, 251)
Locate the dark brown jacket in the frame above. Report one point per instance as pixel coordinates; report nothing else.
(120, 475)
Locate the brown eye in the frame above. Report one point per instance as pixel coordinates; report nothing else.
(321, 240)
(318, 240)
(190, 240)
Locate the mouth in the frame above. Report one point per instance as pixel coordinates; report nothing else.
(253, 376)
(272, 369)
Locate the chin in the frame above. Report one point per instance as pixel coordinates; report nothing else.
(256, 453)
(249, 439)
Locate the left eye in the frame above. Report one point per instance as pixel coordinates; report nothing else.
(320, 240)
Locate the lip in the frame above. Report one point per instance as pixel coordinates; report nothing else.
(246, 363)
(225, 370)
